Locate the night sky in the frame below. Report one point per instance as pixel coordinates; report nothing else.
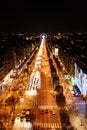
(43, 16)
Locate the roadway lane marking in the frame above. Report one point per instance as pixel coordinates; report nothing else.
(48, 125)
(48, 107)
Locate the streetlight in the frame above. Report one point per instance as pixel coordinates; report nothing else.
(81, 119)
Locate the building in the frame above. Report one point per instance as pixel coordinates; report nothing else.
(7, 63)
(73, 59)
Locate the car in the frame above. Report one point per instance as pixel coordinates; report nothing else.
(28, 114)
(53, 112)
(36, 104)
(22, 117)
(27, 119)
(38, 128)
(42, 111)
(24, 111)
(18, 117)
(46, 111)
(13, 120)
(28, 109)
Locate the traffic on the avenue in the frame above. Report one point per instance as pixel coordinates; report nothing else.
(39, 98)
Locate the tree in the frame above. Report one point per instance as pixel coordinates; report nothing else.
(60, 99)
(59, 88)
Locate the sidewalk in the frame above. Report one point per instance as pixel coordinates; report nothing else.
(78, 109)
(78, 113)
(77, 106)
(78, 122)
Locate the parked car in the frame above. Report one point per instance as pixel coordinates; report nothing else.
(42, 111)
(53, 112)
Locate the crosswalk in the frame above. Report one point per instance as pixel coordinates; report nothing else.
(48, 107)
(18, 125)
(48, 125)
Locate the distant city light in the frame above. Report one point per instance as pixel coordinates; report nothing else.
(43, 36)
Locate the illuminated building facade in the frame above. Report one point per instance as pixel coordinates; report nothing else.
(74, 70)
(8, 62)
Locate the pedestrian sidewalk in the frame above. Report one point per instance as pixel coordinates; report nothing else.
(78, 112)
(77, 122)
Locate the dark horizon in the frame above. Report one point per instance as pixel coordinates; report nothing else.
(43, 17)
